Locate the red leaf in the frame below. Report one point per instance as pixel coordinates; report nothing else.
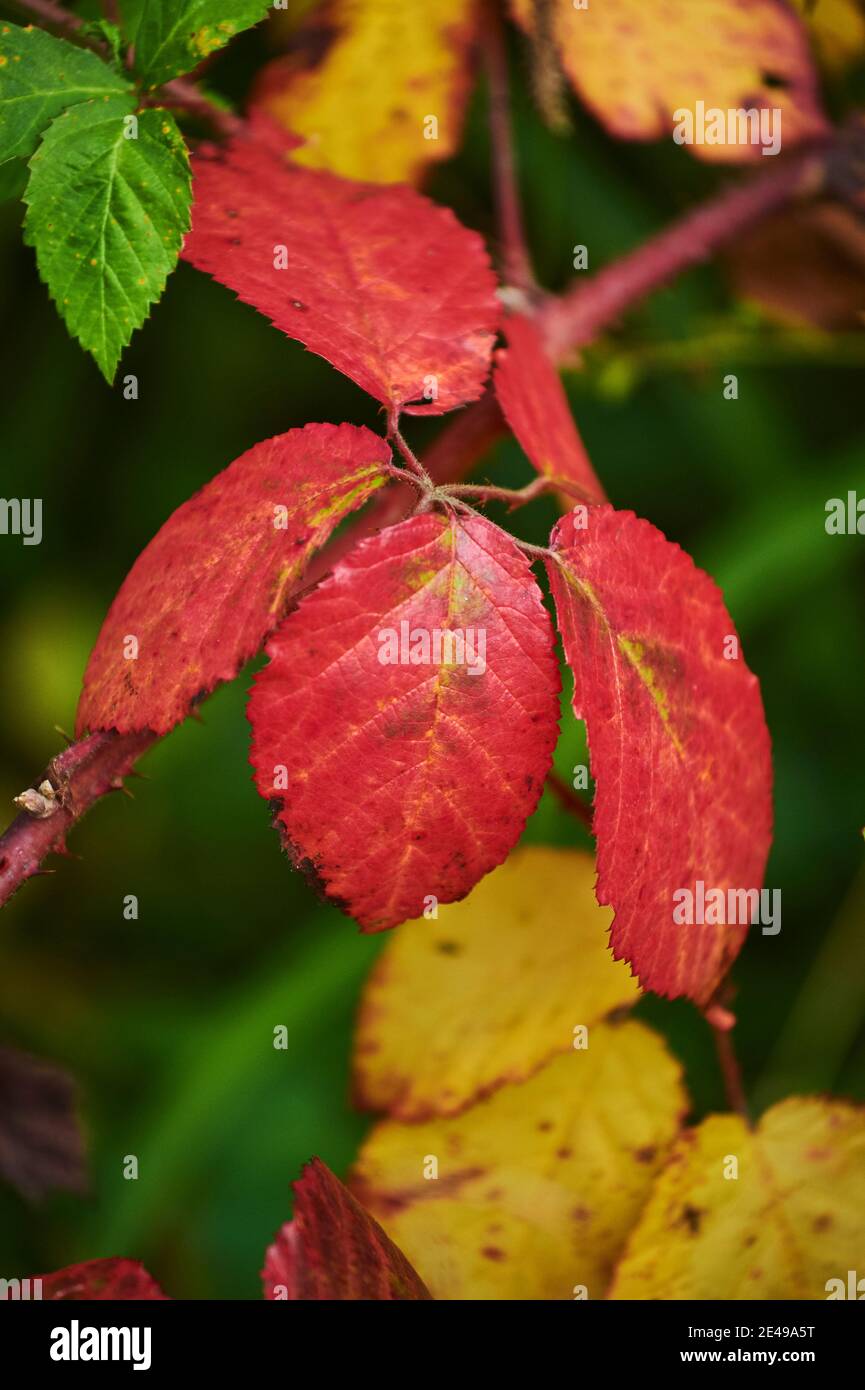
(391, 289)
(219, 574)
(679, 745)
(333, 1249)
(101, 1279)
(535, 406)
(400, 781)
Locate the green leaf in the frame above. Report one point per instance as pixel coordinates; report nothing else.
(39, 77)
(107, 213)
(173, 36)
(108, 33)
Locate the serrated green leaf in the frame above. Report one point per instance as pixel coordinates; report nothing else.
(107, 214)
(173, 36)
(39, 77)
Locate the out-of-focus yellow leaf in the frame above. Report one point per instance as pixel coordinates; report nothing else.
(837, 28)
(490, 990)
(538, 1187)
(636, 63)
(376, 87)
(792, 1219)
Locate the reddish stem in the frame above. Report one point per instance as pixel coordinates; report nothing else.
(593, 305)
(51, 15)
(81, 774)
(413, 462)
(569, 799)
(516, 262)
(182, 95)
(516, 497)
(731, 1072)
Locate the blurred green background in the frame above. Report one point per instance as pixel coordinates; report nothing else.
(167, 1022)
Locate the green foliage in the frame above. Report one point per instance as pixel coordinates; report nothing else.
(108, 205)
(114, 173)
(103, 31)
(41, 76)
(173, 36)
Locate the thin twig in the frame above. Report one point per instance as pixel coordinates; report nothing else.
(516, 261)
(578, 317)
(183, 95)
(569, 799)
(405, 475)
(595, 304)
(730, 1070)
(534, 552)
(515, 497)
(51, 15)
(411, 458)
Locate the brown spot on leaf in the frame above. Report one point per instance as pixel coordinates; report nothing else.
(691, 1217)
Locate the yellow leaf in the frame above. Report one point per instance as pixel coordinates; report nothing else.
(792, 1219)
(377, 87)
(490, 990)
(538, 1187)
(635, 64)
(838, 29)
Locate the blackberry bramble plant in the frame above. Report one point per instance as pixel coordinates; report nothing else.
(531, 1139)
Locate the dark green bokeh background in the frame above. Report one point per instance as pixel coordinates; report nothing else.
(167, 1022)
